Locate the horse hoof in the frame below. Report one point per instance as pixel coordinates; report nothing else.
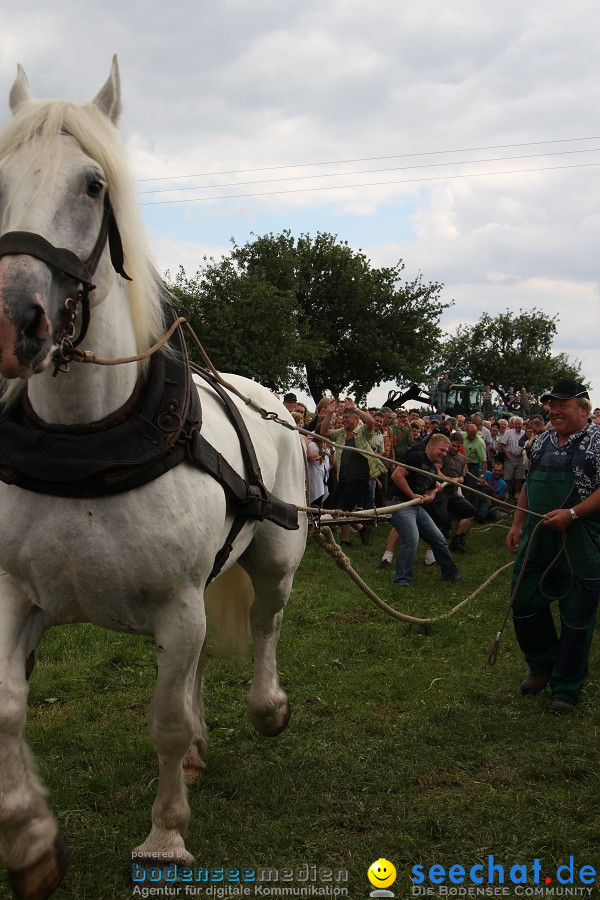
(43, 877)
(270, 724)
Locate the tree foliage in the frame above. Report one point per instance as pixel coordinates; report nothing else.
(508, 349)
(312, 313)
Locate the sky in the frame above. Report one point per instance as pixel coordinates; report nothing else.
(459, 137)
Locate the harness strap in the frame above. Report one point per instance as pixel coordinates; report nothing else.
(247, 447)
(252, 499)
(227, 548)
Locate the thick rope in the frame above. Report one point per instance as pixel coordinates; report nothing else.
(326, 540)
(345, 517)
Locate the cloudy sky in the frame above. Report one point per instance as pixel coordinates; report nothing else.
(457, 136)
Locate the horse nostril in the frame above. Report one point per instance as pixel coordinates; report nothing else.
(38, 324)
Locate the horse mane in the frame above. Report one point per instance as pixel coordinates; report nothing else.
(37, 127)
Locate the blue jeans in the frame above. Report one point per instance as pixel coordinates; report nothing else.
(412, 523)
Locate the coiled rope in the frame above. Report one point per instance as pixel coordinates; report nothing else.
(324, 537)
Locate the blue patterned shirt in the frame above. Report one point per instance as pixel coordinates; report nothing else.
(580, 455)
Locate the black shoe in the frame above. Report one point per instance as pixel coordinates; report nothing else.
(345, 543)
(533, 684)
(561, 707)
(452, 578)
(365, 534)
(457, 544)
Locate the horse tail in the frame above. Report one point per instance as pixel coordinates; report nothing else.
(228, 600)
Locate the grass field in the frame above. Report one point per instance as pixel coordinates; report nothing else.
(403, 742)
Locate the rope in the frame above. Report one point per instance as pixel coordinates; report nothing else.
(87, 356)
(326, 540)
(336, 516)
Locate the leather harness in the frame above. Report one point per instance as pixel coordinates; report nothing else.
(155, 430)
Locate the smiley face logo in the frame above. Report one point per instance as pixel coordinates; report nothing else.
(381, 873)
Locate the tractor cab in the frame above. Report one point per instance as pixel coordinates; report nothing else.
(464, 399)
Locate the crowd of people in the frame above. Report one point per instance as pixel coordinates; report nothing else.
(498, 444)
(547, 463)
(488, 456)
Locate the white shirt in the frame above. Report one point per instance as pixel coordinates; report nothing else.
(510, 440)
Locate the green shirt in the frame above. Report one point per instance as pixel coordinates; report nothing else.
(402, 446)
(475, 450)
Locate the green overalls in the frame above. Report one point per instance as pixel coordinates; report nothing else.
(551, 485)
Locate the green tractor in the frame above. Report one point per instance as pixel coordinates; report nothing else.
(465, 399)
(462, 398)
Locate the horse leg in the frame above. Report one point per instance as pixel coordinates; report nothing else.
(193, 764)
(268, 706)
(30, 845)
(179, 633)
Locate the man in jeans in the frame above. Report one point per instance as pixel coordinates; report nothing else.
(414, 521)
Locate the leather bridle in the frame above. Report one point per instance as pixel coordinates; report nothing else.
(28, 243)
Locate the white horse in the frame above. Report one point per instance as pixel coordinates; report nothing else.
(136, 561)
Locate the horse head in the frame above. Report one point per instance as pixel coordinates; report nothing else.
(59, 162)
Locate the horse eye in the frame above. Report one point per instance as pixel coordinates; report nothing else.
(94, 188)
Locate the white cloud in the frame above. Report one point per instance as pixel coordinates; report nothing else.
(227, 85)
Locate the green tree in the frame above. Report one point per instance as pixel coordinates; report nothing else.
(508, 349)
(313, 313)
(242, 321)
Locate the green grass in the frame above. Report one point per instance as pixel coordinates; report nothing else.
(403, 742)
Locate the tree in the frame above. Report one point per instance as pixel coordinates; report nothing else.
(243, 322)
(508, 349)
(313, 313)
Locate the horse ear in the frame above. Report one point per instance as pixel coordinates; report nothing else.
(19, 92)
(108, 98)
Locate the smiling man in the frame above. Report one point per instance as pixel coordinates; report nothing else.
(564, 485)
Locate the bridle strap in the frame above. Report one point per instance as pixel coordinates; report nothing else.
(93, 259)
(27, 243)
